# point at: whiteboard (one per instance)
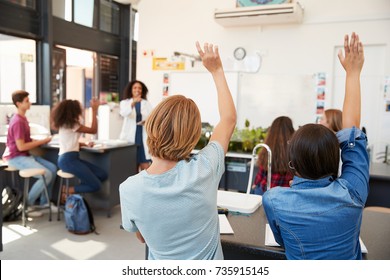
(200, 87)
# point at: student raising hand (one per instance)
(354, 54)
(353, 64)
(227, 112)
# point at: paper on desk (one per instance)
(362, 246)
(224, 225)
(270, 239)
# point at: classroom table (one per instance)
(118, 161)
(248, 240)
(379, 194)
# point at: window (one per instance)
(83, 12)
(63, 9)
(109, 17)
(18, 68)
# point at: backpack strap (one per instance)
(90, 216)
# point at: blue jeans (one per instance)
(36, 191)
(90, 175)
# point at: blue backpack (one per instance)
(78, 215)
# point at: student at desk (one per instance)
(66, 117)
(18, 148)
(320, 216)
(332, 119)
(172, 206)
(278, 135)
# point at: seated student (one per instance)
(278, 134)
(172, 205)
(66, 118)
(19, 143)
(332, 119)
(320, 216)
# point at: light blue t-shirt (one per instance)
(176, 212)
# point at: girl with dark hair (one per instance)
(134, 108)
(66, 117)
(278, 135)
(320, 216)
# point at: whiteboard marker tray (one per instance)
(239, 202)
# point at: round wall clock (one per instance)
(239, 53)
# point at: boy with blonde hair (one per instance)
(172, 206)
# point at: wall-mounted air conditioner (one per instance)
(260, 15)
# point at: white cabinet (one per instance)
(109, 121)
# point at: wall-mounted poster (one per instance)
(248, 3)
(162, 63)
(320, 91)
(165, 84)
(386, 93)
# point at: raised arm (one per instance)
(353, 64)
(227, 112)
(93, 128)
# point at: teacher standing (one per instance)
(134, 108)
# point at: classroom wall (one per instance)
(291, 53)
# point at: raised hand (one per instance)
(210, 57)
(354, 54)
(353, 64)
(94, 103)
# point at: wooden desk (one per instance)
(379, 194)
(247, 242)
(119, 163)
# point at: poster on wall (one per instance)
(162, 63)
(165, 85)
(386, 93)
(320, 91)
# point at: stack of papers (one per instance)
(224, 225)
(269, 237)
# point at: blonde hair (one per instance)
(334, 119)
(173, 128)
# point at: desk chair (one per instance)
(67, 176)
(375, 232)
(27, 174)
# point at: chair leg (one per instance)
(60, 195)
(59, 200)
(13, 180)
(25, 195)
(47, 196)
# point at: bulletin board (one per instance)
(200, 87)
